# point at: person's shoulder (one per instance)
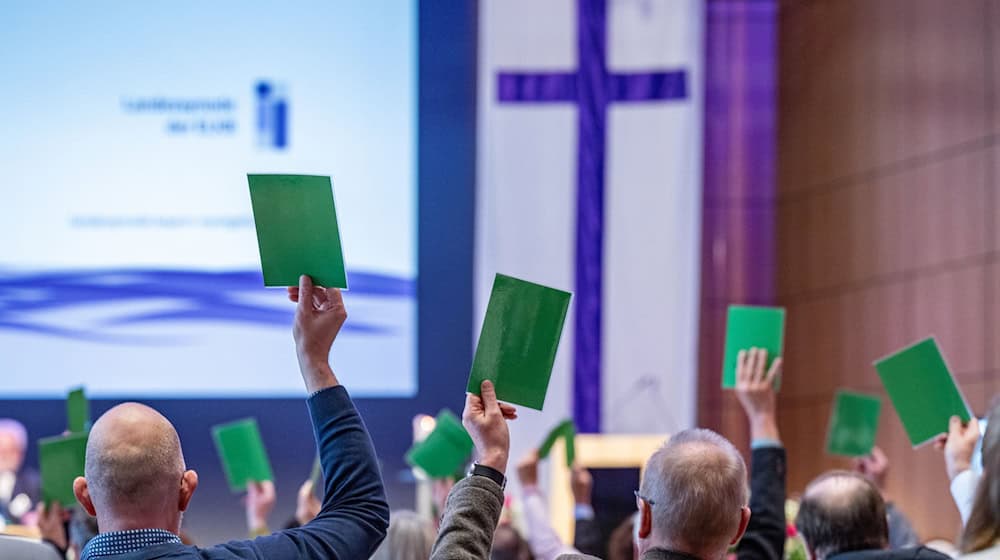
(908, 553)
(986, 554)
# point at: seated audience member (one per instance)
(66, 530)
(136, 484)
(52, 525)
(981, 536)
(307, 506)
(842, 516)
(18, 484)
(621, 543)
(692, 501)
(959, 445)
(508, 544)
(259, 502)
(545, 544)
(587, 536)
(410, 538)
(18, 548)
(82, 528)
(875, 467)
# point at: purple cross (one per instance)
(592, 87)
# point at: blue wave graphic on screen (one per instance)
(180, 296)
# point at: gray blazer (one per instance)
(16, 548)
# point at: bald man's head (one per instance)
(842, 512)
(697, 484)
(134, 461)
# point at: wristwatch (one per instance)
(490, 473)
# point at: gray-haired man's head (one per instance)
(842, 511)
(694, 495)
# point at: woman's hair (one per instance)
(983, 527)
(410, 537)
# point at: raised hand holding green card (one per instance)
(77, 411)
(518, 342)
(922, 390)
(751, 327)
(61, 460)
(297, 231)
(444, 450)
(242, 452)
(853, 424)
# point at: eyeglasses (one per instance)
(644, 498)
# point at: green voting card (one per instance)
(77, 411)
(445, 450)
(751, 327)
(570, 434)
(297, 230)
(853, 424)
(519, 339)
(922, 390)
(242, 452)
(61, 460)
(565, 430)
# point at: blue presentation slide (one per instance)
(128, 257)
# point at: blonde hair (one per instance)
(983, 528)
(410, 537)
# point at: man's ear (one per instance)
(744, 520)
(82, 493)
(645, 519)
(189, 483)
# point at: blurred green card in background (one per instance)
(922, 390)
(751, 327)
(77, 411)
(519, 339)
(853, 424)
(61, 460)
(297, 230)
(445, 450)
(242, 453)
(565, 430)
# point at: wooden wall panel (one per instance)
(886, 216)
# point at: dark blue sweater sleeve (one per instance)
(355, 514)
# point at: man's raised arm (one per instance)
(473, 507)
(355, 515)
(765, 535)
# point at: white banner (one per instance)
(557, 119)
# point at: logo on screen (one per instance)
(272, 115)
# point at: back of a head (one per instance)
(508, 544)
(13, 444)
(134, 461)
(698, 485)
(410, 537)
(983, 528)
(621, 543)
(840, 512)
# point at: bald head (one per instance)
(698, 485)
(134, 461)
(842, 512)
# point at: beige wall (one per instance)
(886, 216)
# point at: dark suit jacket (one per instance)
(911, 553)
(473, 510)
(766, 532)
(355, 514)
